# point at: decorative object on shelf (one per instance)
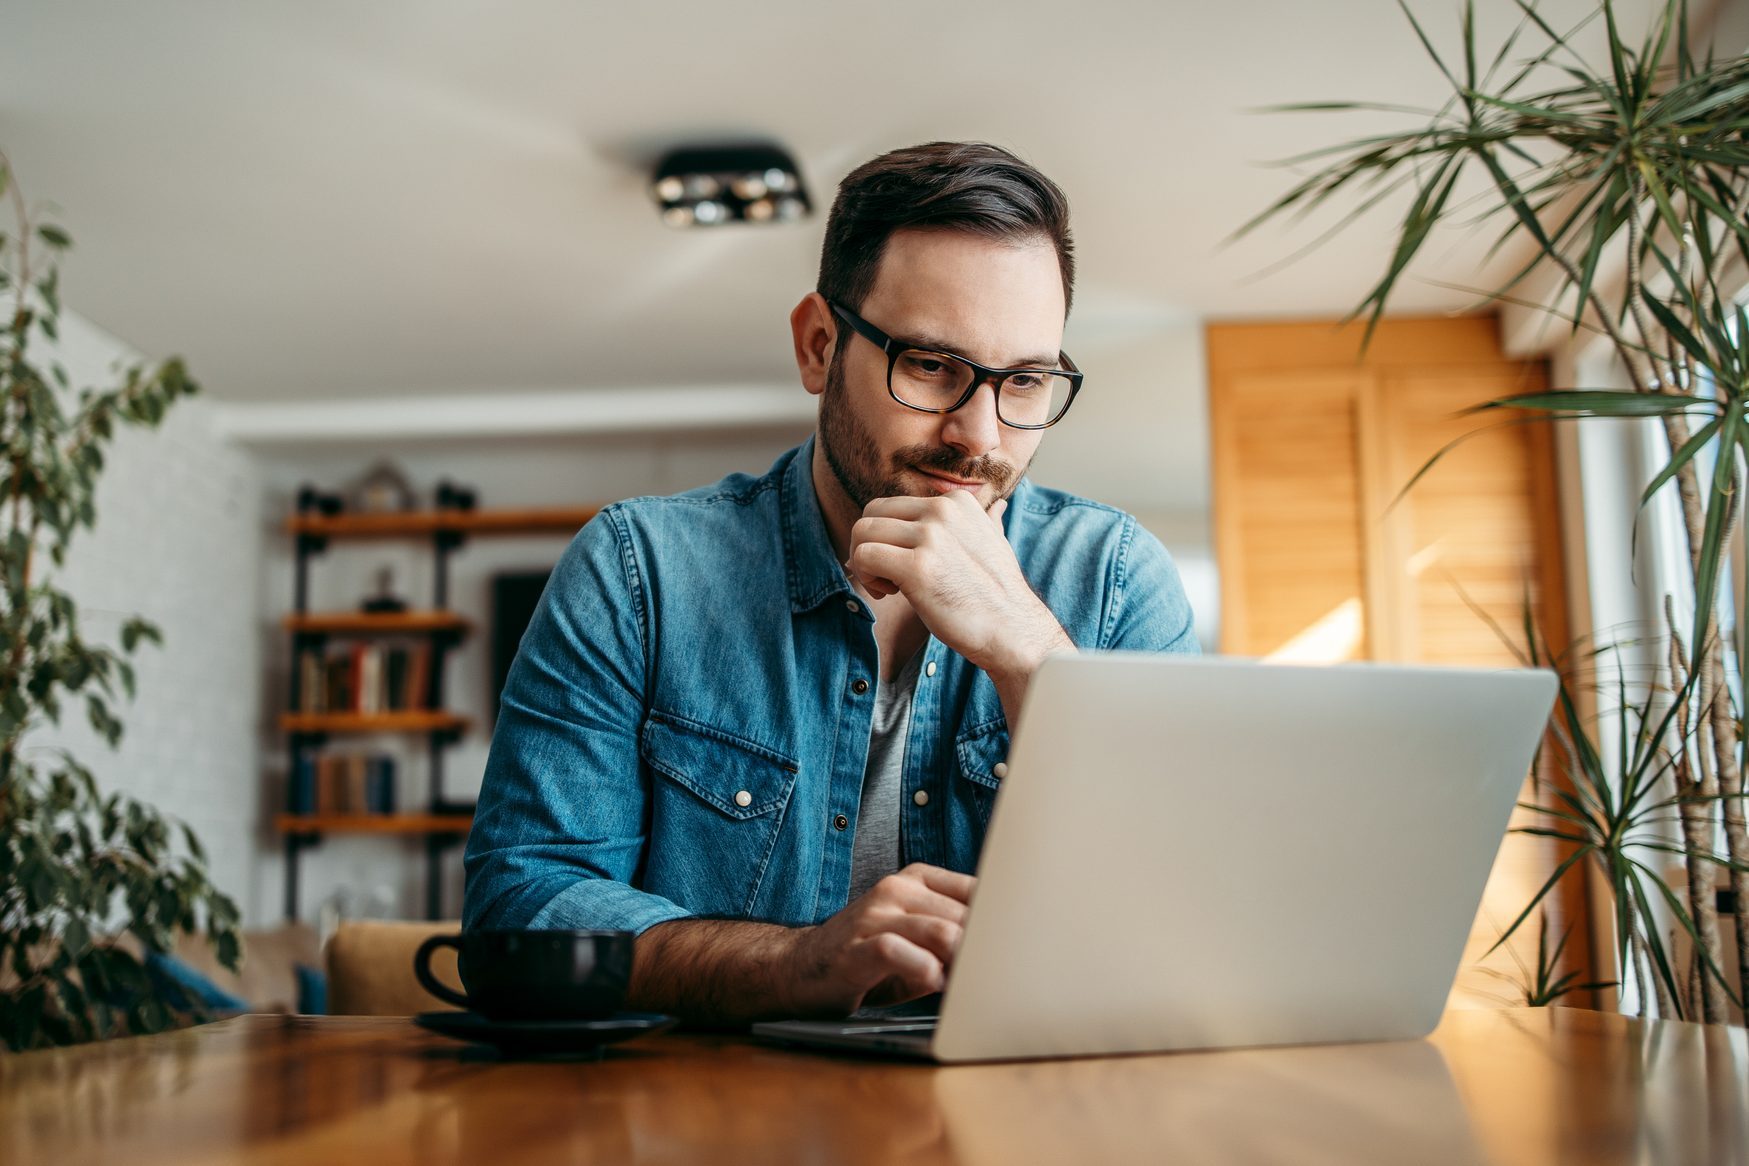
(1631, 178)
(80, 871)
(385, 600)
(707, 186)
(450, 496)
(383, 489)
(314, 501)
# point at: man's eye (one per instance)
(1025, 382)
(925, 366)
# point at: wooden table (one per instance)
(1547, 1085)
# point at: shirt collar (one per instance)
(815, 574)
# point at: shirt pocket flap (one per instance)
(981, 750)
(741, 779)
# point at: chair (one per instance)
(370, 967)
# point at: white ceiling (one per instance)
(317, 200)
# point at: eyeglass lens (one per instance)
(936, 382)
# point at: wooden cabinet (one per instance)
(1324, 558)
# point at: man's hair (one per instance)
(960, 186)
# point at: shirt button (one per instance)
(929, 668)
(852, 606)
(921, 797)
(743, 798)
(1001, 769)
(859, 686)
(841, 822)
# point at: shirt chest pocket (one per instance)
(982, 754)
(717, 803)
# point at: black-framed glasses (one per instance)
(931, 381)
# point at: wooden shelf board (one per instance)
(361, 623)
(372, 823)
(414, 721)
(417, 523)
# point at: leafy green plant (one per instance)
(78, 869)
(1620, 816)
(1639, 163)
(1544, 984)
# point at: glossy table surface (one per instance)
(1544, 1085)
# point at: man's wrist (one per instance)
(1019, 654)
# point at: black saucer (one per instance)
(544, 1037)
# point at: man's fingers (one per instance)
(997, 511)
(903, 506)
(923, 901)
(943, 881)
(898, 532)
(939, 937)
(882, 561)
(892, 956)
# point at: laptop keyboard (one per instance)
(909, 1024)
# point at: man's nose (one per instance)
(973, 428)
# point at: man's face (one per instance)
(998, 303)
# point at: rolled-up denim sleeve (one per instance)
(561, 830)
(1148, 611)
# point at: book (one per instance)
(337, 696)
(380, 791)
(419, 676)
(357, 801)
(363, 678)
(395, 679)
(328, 791)
(311, 681)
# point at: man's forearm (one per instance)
(714, 971)
(1014, 674)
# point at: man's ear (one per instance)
(815, 330)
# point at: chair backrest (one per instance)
(370, 967)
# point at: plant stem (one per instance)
(1697, 829)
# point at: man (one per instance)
(763, 723)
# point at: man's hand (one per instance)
(951, 560)
(893, 944)
(896, 943)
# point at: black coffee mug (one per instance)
(534, 975)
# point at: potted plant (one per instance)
(1644, 156)
(79, 869)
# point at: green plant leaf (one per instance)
(1601, 403)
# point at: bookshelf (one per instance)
(434, 631)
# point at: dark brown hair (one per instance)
(961, 186)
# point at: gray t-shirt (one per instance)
(874, 852)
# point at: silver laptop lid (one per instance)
(1204, 853)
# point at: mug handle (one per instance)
(422, 969)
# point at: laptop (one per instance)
(1205, 853)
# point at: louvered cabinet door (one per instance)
(1289, 514)
(1325, 558)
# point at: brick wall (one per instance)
(177, 541)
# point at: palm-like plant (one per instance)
(1641, 164)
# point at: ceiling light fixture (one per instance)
(706, 186)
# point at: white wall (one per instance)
(176, 541)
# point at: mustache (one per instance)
(944, 460)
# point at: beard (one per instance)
(856, 461)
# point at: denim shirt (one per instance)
(685, 727)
